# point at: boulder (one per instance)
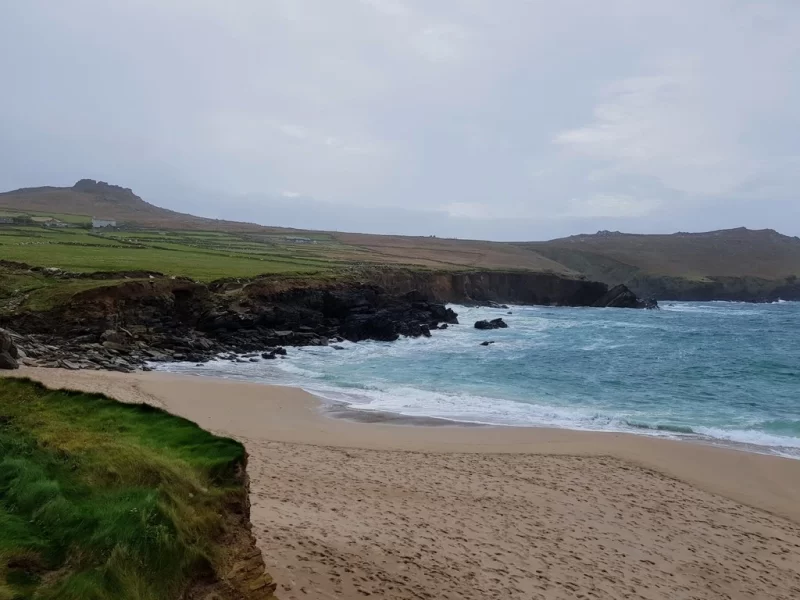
(8, 351)
(7, 344)
(115, 346)
(7, 361)
(620, 296)
(117, 338)
(492, 304)
(493, 324)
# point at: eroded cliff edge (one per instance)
(121, 324)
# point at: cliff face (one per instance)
(734, 264)
(242, 575)
(740, 289)
(496, 286)
(162, 304)
(121, 326)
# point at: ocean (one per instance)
(719, 372)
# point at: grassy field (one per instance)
(199, 255)
(35, 292)
(102, 500)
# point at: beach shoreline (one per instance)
(329, 493)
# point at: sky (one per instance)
(492, 119)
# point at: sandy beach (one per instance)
(344, 509)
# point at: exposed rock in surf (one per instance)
(493, 324)
(621, 296)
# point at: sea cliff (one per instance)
(120, 325)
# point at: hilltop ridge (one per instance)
(727, 264)
(89, 197)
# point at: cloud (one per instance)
(666, 126)
(441, 43)
(469, 210)
(496, 118)
(392, 8)
(612, 205)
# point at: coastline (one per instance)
(618, 501)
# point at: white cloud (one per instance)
(654, 113)
(392, 8)
(666, 126)
(611, 205)
(441, 43)
(469, 210)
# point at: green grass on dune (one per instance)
(103, 500)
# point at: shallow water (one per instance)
(720, 371)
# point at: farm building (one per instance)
(49, 222)
(97, 223)
(6, 220)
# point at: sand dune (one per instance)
(350, 510)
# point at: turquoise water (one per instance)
(721, 371)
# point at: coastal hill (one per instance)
(92, 198)
(728, 253)
(733, 264)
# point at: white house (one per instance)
(103, 222)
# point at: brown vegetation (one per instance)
(727, 264)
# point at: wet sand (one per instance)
(346, 509)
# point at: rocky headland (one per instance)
(123, 326)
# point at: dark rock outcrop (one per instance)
(493, 324)
(621, 297)
(8, 351)
(733, 289)
(120, 327)
(491, 288)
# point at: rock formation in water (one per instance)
(621, 297)
(493, 324)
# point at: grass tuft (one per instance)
(102, 500)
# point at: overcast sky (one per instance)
(501, 119)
